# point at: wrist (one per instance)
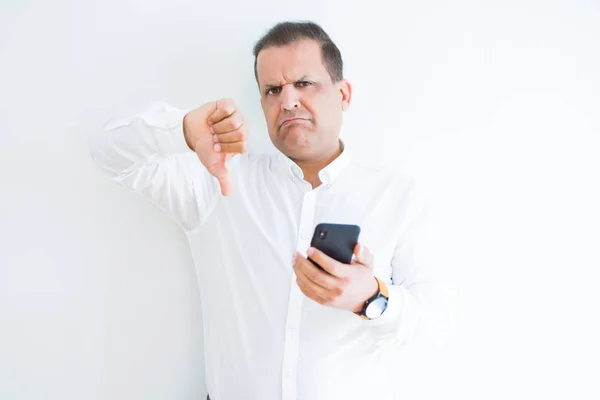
(373, 288)
(186, 133)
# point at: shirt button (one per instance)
(288, 375)
(304, 236)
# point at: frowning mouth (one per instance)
(290, 120)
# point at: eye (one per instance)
(303, 84)
(275, 90)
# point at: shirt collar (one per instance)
(327, 175)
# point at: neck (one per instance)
(311, 168)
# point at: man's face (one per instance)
(302, 107)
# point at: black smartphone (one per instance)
(336, 240)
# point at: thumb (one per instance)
(221, 172)
(362, 255)
(225, 182)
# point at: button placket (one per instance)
(290, 355)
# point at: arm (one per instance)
(148, 154)
(419, 305)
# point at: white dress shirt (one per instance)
(264, 339)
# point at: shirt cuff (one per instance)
(164, 116)
(176, 141)
(389, 319)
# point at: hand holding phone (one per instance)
(349, 281)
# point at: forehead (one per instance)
(277, 65)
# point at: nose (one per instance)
(290, 100)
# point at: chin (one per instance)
(292, 150)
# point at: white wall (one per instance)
(493, 106)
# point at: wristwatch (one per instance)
(376, 305)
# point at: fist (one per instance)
(343, 286)
(216, 131)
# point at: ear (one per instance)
(346, 93)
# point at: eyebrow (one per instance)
(301, 79)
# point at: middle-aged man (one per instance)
(275, 325)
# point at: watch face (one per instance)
(376, 307)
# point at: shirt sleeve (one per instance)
(147, 153)
(419, 305)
